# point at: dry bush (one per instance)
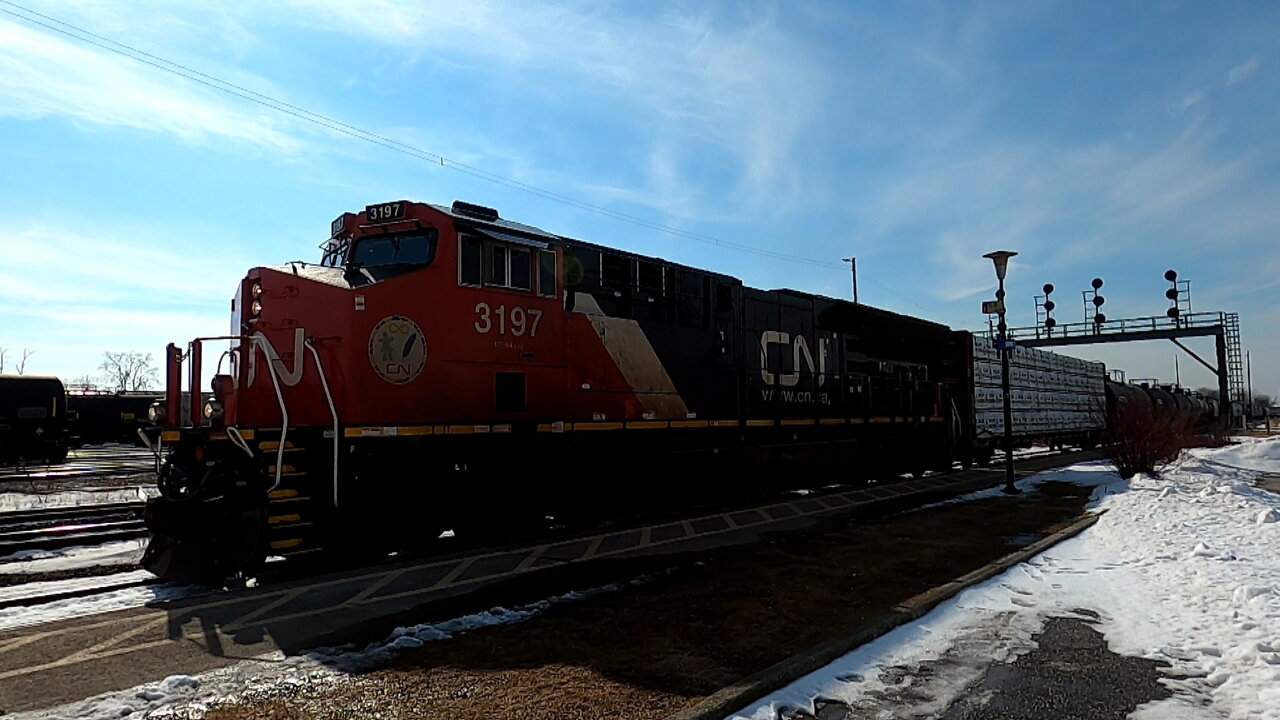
(1139, 442)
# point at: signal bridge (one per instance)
(1224, 327)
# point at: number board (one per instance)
(384, 212)
(338, 225)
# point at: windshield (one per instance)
(415, 249)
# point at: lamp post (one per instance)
(1000, 259)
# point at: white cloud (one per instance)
(1241, 72)
(745, 87)
(46, 75)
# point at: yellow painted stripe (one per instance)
(598, 426)
(170, 435)
(247, 434)
(502, 428)
(279, 494)
(797, 421)
(937, 418)
(555, 427)
(647, 425)
(353, 432)
(284, 469)
(881, 419)
(725, 423)
(759, 423)
(688, 423)
(833, 421)
(857, 421)
(273, 445)
(415, 430)
(285, 544)
(278, 519)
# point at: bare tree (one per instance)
(124, 371)
(85, 382)
(26, 355)
(3, 352)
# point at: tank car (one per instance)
(32, 419)
(443, 367)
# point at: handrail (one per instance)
(1116, 326)
(261, 341)
(332, 411)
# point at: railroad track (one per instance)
(85, 463)
(51, 528)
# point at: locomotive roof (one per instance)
(552, 238)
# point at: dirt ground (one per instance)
(662, 646)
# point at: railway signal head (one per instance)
(1050, 323)
(1171, 293)
(1171, 275)
(1097, 283)
(1172, 313)
(1048, 288)
(1099, 318)
(1098, 300)
(1049, 306)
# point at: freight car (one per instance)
(32, 419)
(96, 417)
(443, 367)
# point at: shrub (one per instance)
(1139, 442)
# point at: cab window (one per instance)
(501, 265)
(417, 249)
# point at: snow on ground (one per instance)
(27, 615)
(17, 501)
(26, 562)
(1181, 568)
(272, 674)
(1259, 454)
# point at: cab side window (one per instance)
(495, 264)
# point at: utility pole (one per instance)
(853, 269)
(1248, 369)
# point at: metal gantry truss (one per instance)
(1224, 327)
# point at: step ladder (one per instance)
(292, 507)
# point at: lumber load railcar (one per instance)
(446, 368)
(1057, 400)
(32, 419)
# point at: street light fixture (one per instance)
(1000, 259)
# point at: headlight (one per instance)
(212, 410)
(256, 290)
(155, 413)
(256, 308)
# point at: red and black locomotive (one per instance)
(445, 368)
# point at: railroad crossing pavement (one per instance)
(54, 663)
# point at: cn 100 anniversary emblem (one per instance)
(397, 349)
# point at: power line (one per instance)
(338, 126)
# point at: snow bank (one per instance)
(1182, 569)
(1259, 454)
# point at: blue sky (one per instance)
(1096, 139)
